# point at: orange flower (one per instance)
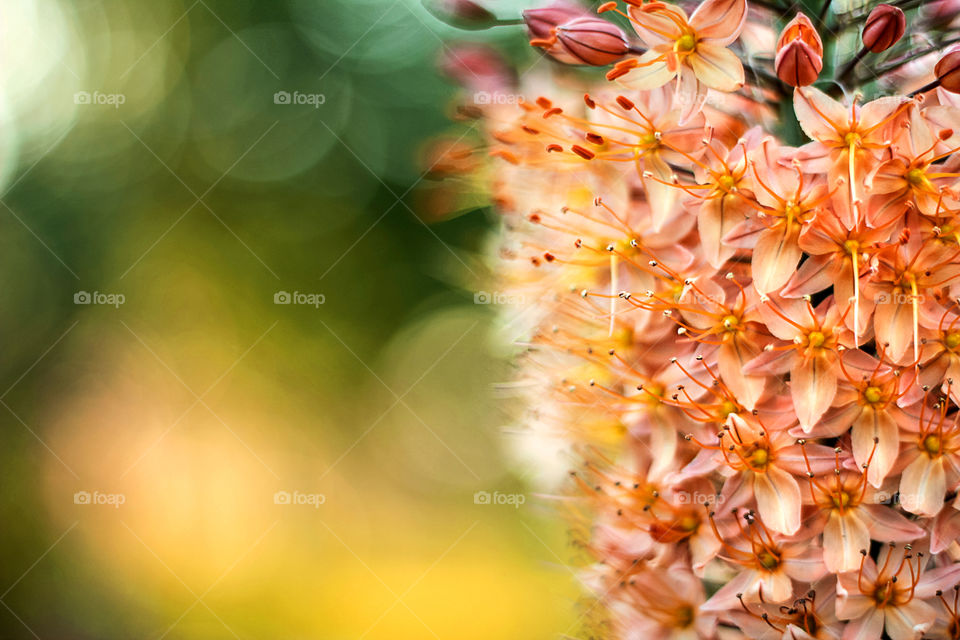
(694, 50)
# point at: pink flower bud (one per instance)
(947, 70)
(542, 22)
(799, 53)
(940, 13)
(477, 67)
(885, 26)
(464, 14)
(592, 41)
(800, 28)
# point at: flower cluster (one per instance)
(742, 286)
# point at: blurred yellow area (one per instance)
(244, 394)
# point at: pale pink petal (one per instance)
(813, 385)
(909, 621)
(843, 538)
(889, 525)
(869, 627)
(721, 21)
(659, 23)
(650, 74)
(879, 425)
(946, 529)
(923, 486)
(778, 500)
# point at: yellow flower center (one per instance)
(689, 523)
(841, 501)
(685, 43)
(649, 140)
(684, 617)
(915, 177)
(727, 407)
(816, 339)
(731, 322)
(852, 246)
(952, 340)
(768, 560)
(727, 183)
(759, 458)
(932, 444)
(852, 139)
(873, 395)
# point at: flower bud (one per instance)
(940, 13)
(464, 14)
(542, 22)
(592, 41)
(799, 53)
(885, 26)
(477, 67)
(947, 70)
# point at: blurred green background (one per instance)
(145, 152)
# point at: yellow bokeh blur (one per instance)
(245, 392)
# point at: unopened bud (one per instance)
(940, 13)
(542, 22)
(464, 14)
(885, 26)
(592, 41)
(799, 53)
(947, 70)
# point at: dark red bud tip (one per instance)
(885, 26)
(948, 71)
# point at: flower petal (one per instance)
(819, 115)
(721, 21)
(843, 538)
(652, 72)
(778, 500)
(923, 486)
(717, 67)
(813, 385)
(775, 257)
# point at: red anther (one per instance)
(586, 154)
